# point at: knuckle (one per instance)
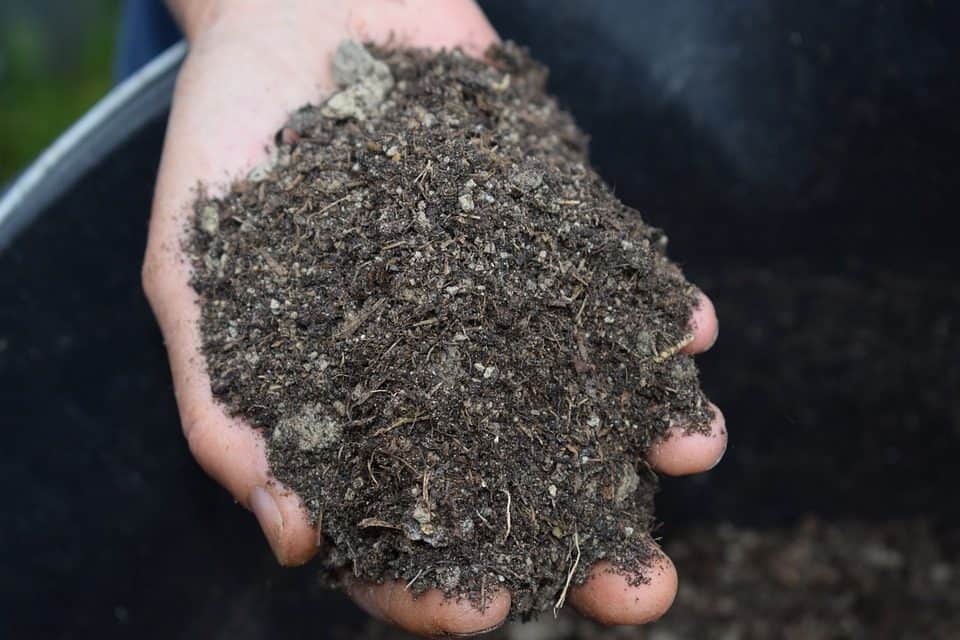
(149, 280)
(199, 435)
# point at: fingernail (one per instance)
(720, 457)
(473, 634)
(265, 508)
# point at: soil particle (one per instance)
(458, 342)
(365, 82)
(311, 430)
(209, 220)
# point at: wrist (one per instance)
(432, 23)
(197, 17)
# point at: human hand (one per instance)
(251, 63)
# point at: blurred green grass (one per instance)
(48, 80)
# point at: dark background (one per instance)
(801, 156)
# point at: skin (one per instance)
(251, 63)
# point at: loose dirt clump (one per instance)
(457, 341)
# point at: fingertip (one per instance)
(289, 533)
(234, 455)
(227, 450)
(682, 453)
(705, 326)
(610, 599)
(299, 542)
(459, 618)
(430, 613)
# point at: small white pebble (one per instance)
(209, 220)
(466, 202)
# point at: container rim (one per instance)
(127, 108)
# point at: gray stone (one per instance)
(310, 430)
(365, 83)
(209, 220)
(466, 202)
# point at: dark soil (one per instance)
(817, 580)
(458, 342)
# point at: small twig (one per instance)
(580, 312)
(387, 352)
(398, 459)
(332, 204)
(674, 349)
(423, 174)
(563, 595)
(399, 422)
(350, 326)
(370, 469)
(367, 523)
(394, 245)
(293, 183)
(415, 578)
(578, 278)
(509, 500)
(426, 493)
(480, 515)
(353, 558)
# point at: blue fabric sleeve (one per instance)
(146, 30)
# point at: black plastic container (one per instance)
(802, 157)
